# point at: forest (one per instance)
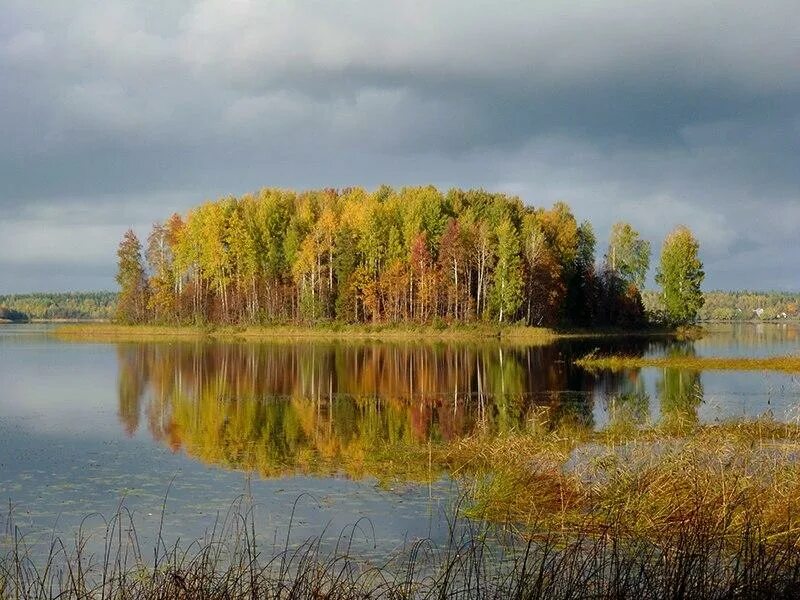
(414, 254)
(65, 305)
(740, 305)
(748, 305)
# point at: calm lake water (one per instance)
(85, 425)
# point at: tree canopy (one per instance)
(132, 301)
(628, 254)
(391, 255)
(680, 275)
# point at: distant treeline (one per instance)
(70, 305)
(414, 254)
(749, 305)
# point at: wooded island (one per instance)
(413, 255)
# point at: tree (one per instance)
(680, 276)
(452, 263)
(506, 295)
(581, 287)
(421, 272)
(164, 285)
(216, 265)
(562, 237)
(544, 289)
(132, 301)
(561, 232)
(628, 254)
(344, 265)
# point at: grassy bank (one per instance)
(108, 331)
(784, 364)
(337, 331)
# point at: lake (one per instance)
(292, 425)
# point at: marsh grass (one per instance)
(569, 477)
(476, 561)
(783, 364)
(656, 512)
(650, 480)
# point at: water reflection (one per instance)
(309, 407)
(680, 391)
(749, 339)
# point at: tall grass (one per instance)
(477, 561)
(730, 477)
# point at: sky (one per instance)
(114, 114)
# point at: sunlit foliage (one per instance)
(413, 254)
(132, 300)
(680, 276)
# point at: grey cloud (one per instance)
(656, 112)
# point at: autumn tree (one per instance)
(627, 260)
(387, 255)
(452, 266)
(344, 266)
(165, 285)
(680, 275)
(421, 264)
(271, 213)
(241, 245)
(544, 285)
(132, 300)
(628, 254)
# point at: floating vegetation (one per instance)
(732, 475)
(783, 364)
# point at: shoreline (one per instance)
(340, 332)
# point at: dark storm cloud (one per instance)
(117, 113)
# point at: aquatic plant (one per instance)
(476, 561)
(785, 364)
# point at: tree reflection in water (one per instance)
(353, 408)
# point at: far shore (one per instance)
(341, 332)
